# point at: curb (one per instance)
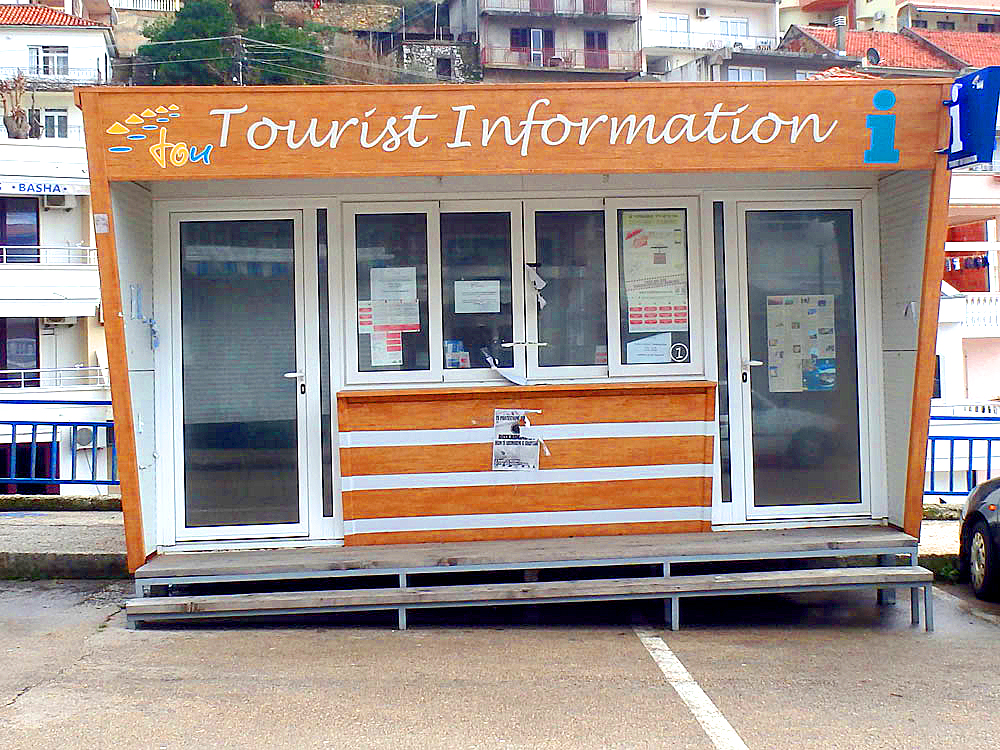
(44, 565)
(60, 502)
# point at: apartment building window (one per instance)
(595, 49)
(803, 75)
(945, 25)
(18, 351)
(48, 61)
(534, 46)
(19, 230)
(734, 28)
(676, 30)
(55, 123)
(919, 24)
(746, 74)
(988, 28)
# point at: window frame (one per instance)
(58, 115)
(743, 22)
(617, 367)
(749, 68)
(517, 280)
(432, 213)
(537, 373)
(41, 56)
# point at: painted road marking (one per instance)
(718, 729)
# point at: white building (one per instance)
(51, 335)
(675, 32)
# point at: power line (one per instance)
(163, 62)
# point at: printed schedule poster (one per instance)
(513, 451)
(801, 343)
(654, 265)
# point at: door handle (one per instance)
(753, 363)
(294, 375)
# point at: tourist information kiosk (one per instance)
(389, 318)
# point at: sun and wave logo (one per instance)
(163, 151)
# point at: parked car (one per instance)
(979, 548)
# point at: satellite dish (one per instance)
(872, 56)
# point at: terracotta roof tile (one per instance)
(838, 73)
(40, 15)
(978, 49)
(894, 49)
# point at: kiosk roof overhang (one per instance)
(197, 133)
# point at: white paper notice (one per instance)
(395, 315)
(654, 264)
(394, 284)
(387, 349)
(650, 350)
(477, 296)
(512, 451)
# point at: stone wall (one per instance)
(350, 17)
(422, 57)
(129, 28)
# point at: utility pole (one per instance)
(240, 59)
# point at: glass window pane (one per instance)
(325, 384)
(804, 398)
(476, 289)
(569, 250)
(653, 286)
(237, 342)
(392, 279)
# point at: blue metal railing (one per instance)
(961, 456)
(32, 454)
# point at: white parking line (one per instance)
(718, 729)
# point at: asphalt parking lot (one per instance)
(808, 671)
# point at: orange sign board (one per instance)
(169, 133)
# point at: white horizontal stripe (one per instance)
(518, 520)
(542, 476)
(386, 438)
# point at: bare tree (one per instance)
(15, 116)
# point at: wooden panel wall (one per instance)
(625, 459)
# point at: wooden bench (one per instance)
(671, 589)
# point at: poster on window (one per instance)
(654, 267)
(513, 451)
(801, 343)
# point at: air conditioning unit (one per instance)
(53, 322)
(702, 13)
(86, 436)
(67, 202)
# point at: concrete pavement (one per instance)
(809, 672)
(62, 544)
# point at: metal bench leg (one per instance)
(402, 618)
(914, 605)
(675, 613)
(929, 607)
(887, 597)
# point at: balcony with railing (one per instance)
(49, 255)
(561, 59)
(47, 444)
(56, 76)
(620, 8)
(962, 451)
(163, 6)
(79, 377)
(982, 311)
(708, 40)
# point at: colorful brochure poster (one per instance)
(395, 315)
(511, 450)
(654, 265)
(801, 343)
(365, 316)
(387, 348)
